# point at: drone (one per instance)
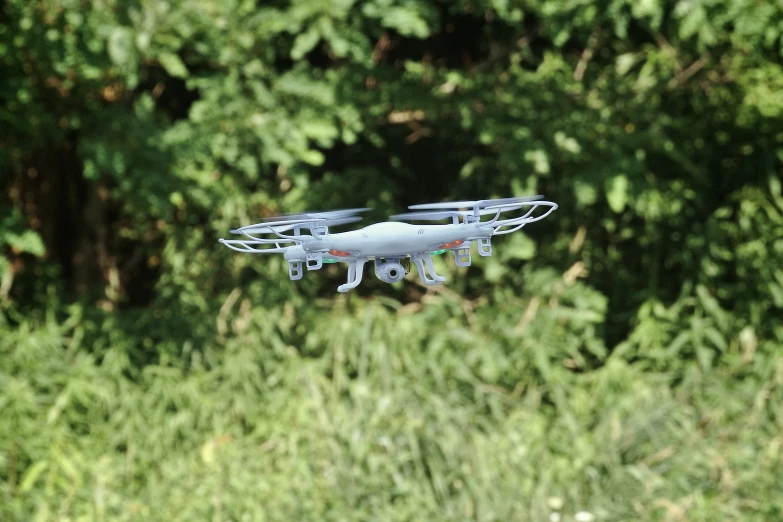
(305, 240)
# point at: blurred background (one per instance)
(620, 360)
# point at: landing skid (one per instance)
(355, 271)
(423, 263)
(425, 260)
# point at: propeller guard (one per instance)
(455, 211)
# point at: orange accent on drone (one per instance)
(339, 253)
(452, 244)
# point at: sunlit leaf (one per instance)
(173, 65)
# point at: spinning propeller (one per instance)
(319, 214)
(480, 203)
(279, 226)
(482, 207)
(316, 223)
(453, 210)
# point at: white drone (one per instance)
(389, 244)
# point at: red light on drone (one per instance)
(339, 253)
(451, 245)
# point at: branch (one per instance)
(587, 54)
(683, 76)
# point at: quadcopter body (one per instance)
(392, 238)
(388, 244)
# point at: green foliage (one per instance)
(16, 239)
(621, 357)
(375, 415)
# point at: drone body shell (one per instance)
(394, 239)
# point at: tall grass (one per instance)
(381, 412)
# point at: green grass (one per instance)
(373, 417)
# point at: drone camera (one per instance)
(389, 271)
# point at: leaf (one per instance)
(717, 339)
(540, 160)
(624, 62)
(28, 241)
(406, 21)
(173, 65)
(304, 43)
(494, 271)
(585, 193)
(712, 307)
(208, 453)
(705, 356)
(677, 344)
(774, 182)
(519, 246)
(617, 193)
(567, 143)
(60, 404)
(120, 47)
(67, 464)
(32, 474)
(312, 157)
(5, 267)
(321, 130)
(693, 18)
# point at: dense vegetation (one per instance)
(622, 360)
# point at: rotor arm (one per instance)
(355, 272)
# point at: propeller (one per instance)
(301, 221)
(318, 214)
(284, 225)
(481, 203)
(451, 209)
(436, 215)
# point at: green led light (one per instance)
(439, 252)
